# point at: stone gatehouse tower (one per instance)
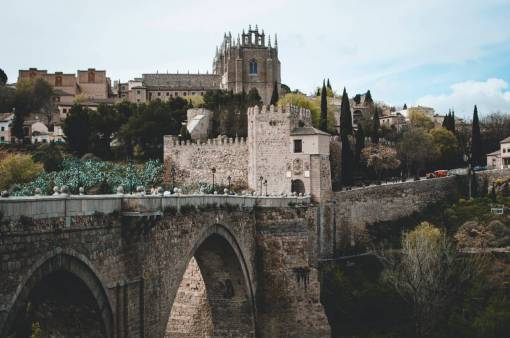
(248, 62)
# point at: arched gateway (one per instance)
(62, 295)
(215, 296)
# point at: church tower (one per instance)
(248, 62)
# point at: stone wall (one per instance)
(355, 209)
(485, 179)
(193, 161)
(133, 261)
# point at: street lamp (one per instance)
(261, 179)
(265, 185)
(229, 178)
(130, 175)
(172, 172)
(213, 170)
(468, 160)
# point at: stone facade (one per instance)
(283, 154)
(191, 163)
(243, 64)
(139, 273)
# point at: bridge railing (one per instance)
(40, 207)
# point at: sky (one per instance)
(439, 53)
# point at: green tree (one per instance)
(345, 115)
(18, 169)
(447, 146)
(418, 119)
(476, 141)
(77, 129)
(104, 124)
(329, 85)
(376, 126)
(360, 143)
(417, 149)
(274, 96)
(405, 106)
(3, 78)
(253, 98)
(50, 156)
(380, 158)
(347, 160)
(323, 124)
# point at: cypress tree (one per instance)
(323, 123)
(446, 121)
(452, 122)
(347, 164)
(405, 106)
(476, 141)
(275, 97)
(329, 85)
(360, 143)
(345, 115)
(376, 126)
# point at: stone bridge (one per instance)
(154, 266)
(188, 265)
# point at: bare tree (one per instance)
(429, 273)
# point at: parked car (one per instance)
(430, 175)
(441, 173)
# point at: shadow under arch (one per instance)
(61, 260)
(222, 265)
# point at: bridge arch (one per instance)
(61, 262)
(221, 281)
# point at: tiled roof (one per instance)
(505, 140)
(307, 131)
(4, 117)
(182, 81)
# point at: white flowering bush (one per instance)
(94, 174)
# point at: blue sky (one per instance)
(440, 53)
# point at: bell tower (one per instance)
(248, 62)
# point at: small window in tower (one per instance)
(298, 146)
(159, 94)
(176, 94)
(58, 81)
(92, 76)
(167, 94)
(253, 67)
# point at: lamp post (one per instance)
(261, 179)
(229, 178)
(265, 185)
(172, 172)
(213, 170)
(468, 160)
(79, 178)
(130, 175)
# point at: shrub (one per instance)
(18, 169)
(50, 156)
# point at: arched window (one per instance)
(253, 67)
(297, 186)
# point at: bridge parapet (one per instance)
(40, 207)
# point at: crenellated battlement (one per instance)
(173, 141)
(290, 110)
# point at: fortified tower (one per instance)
(286, 153)
(248, 62)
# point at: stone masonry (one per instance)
(132, 254)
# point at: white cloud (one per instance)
(490, 96)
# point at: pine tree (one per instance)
(446, 121)
(275, 97)
(323, 122)
(329, 85)
(476, 141)
(345, 115)
(375, 126)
